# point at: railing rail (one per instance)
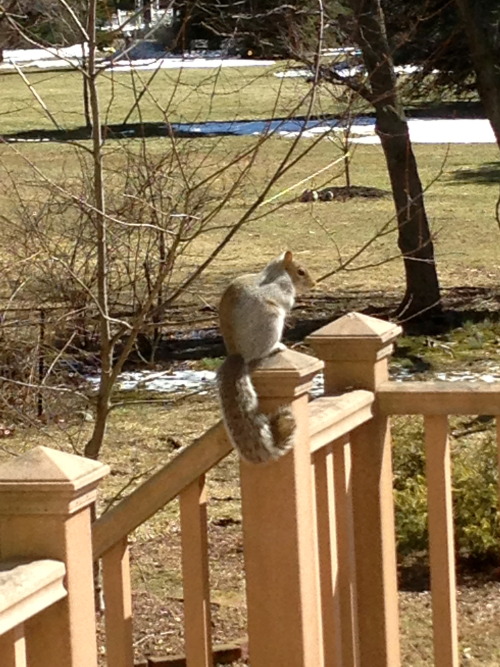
(439, 398)
(162, 487)
(26, 589)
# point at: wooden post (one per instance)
(45, 499)
(279, 529)
(355, 349)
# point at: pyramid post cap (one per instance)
(286, 373)
(357, 326)
(50, 469)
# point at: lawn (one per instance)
(173, 95)
(461, 192)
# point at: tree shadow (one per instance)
(486, 174)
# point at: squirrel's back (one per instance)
(252, 315)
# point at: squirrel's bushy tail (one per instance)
(256, 436)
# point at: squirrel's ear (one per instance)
(288, 257)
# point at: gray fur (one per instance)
(250, 431)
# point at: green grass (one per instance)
(173, 95)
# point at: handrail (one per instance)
(27, 588)
(330, 418)
(162, 487)
(439, 398)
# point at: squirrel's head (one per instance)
(301, 278)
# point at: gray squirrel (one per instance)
(252, 315)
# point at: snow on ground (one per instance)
(166, 382)
(194, 62)
(148, 56)
(422, 131)
(152, 59)
(203, 381)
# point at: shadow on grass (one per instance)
(486, 174)
(462, 305)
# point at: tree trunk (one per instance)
(483, 35)
(94, 445)
(422, 296)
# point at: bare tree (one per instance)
(422, 295)
(129, 219)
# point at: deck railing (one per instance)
(318, 525)
(47, 612)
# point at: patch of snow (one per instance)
(422, 131)
(170, 382)
(292, 73)
(142, 56)
(186, 63)
(28, 55)
(165, 382)
(441, 131)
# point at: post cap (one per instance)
(355, 337)
(285, 374)
(48, 481)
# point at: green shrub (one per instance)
(474, 478)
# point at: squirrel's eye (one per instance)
(301, 272)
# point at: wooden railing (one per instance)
(436, 401)
(318, 525)
(45, 521)
(26, 589)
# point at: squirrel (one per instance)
(252, 315)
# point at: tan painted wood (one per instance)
(13, 648)
(280, 539)
(328, 556)
(26, 588)
(118, 606)
(374, 534)
(160, 488)
(331, 417)
(59, 528)
(356, 349)
(441, 543)
(439, 398)
(346, 551)
(195, 575)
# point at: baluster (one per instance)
(345, 539)
(13, 648)
(328, 556)
(118, 605)
(441, 543)
(195, 575)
